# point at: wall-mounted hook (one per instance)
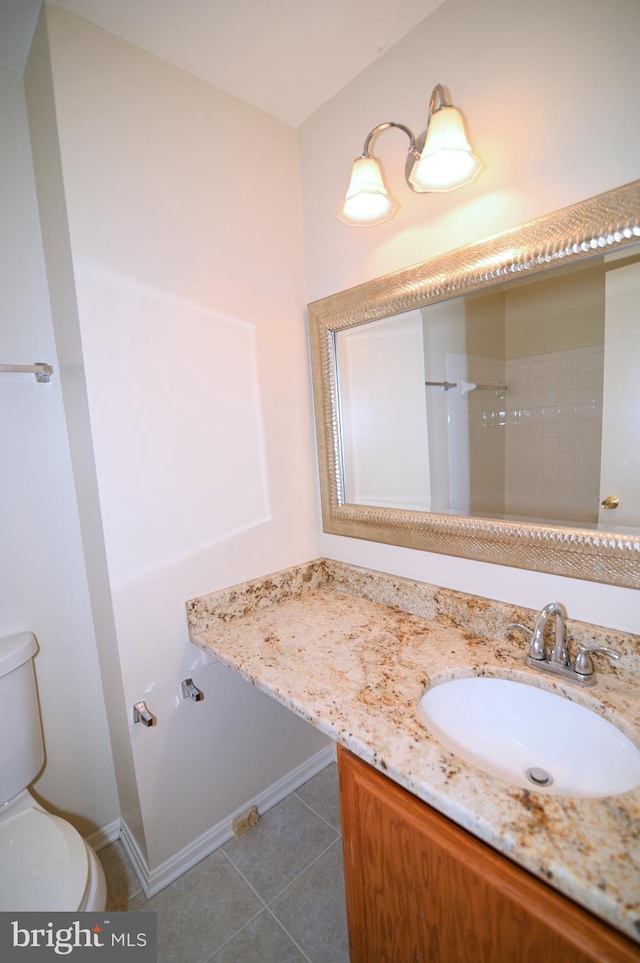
(191, 691)
(142, 714)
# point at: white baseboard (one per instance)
(152, 881)
(103, 837)
(136, 858)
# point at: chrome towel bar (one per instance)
(41, 370)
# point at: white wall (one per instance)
(186, 255)
(185, 235)
(532, 82)
(44, 587)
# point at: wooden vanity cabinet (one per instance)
(419, 888)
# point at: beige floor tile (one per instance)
(312, 909)
(285, 841)
(216, 912)
(321, 793)
(201, 911)
(262, 941)
(122, 882)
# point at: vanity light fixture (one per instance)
(440, 159)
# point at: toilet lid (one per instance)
(44, 863)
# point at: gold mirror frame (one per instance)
(608, 222)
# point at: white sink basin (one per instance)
(530, 737)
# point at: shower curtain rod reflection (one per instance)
(466, 386)
(41, 370)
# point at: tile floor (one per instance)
(274, 895)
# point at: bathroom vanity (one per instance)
(420, 888)
(426, 834)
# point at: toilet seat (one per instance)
(45, 862)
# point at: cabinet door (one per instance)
(419, 888)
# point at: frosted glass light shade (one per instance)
(367, 200)
(447, 160)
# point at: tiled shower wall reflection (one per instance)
(553, 435)
(476, 435)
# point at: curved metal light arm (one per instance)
(438, 100)
(442, 163)
(380, 127)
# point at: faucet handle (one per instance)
(536, 646)
(583, 664)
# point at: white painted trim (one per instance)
(105, 836)
(292, 781)
(136, 858)
(152, 881)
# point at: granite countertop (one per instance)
(352, 651)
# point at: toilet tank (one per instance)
(21, 745)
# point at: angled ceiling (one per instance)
(17, 22)
(286, 57)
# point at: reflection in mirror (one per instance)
(519, 403)
(503, 424)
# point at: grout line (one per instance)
(338, 838)
(288, 934)
(268, 906)
(316, 813)
(244, 880)
(208, 959)
(264, 908)
(300, 874)
(264, 905)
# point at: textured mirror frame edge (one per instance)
(605, 223)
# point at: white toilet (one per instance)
(44, 862)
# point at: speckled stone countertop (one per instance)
(352, 650)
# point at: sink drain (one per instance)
(539, 777)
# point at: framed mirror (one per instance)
(486, 403)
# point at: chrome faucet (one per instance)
(558, 655)
(556, 660)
